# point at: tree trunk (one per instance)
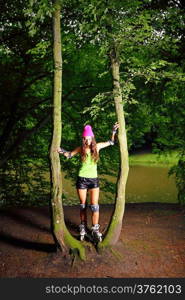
(115, 225)
(64, 239)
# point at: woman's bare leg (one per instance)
(94, 197)
(82, 194)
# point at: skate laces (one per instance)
(82, 228)
(95, 229)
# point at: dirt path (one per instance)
(151, 244)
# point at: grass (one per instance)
(165, 158)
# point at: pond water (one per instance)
(144, 184)
(151, 184)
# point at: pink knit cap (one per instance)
(88, 131)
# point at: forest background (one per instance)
(152, 63)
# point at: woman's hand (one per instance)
(64, 152)
(60, 150)
(115, 127)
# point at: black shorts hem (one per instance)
(87, 183)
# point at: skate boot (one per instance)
(97, 236)
(82, 232)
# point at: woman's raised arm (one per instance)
(110, 142)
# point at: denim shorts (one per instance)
(87, 183)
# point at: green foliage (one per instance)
(36, 13)
(179, 171)
(40, 49)
(102, 102)
(24, 183)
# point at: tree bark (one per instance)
(115, 226)
(64, 239)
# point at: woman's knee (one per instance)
(94, 208)
(83, 207)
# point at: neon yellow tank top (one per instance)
(88, 168)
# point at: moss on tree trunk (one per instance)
(114, 229)
(65, 240)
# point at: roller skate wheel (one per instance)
(82, 237)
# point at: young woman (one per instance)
(88, 178)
